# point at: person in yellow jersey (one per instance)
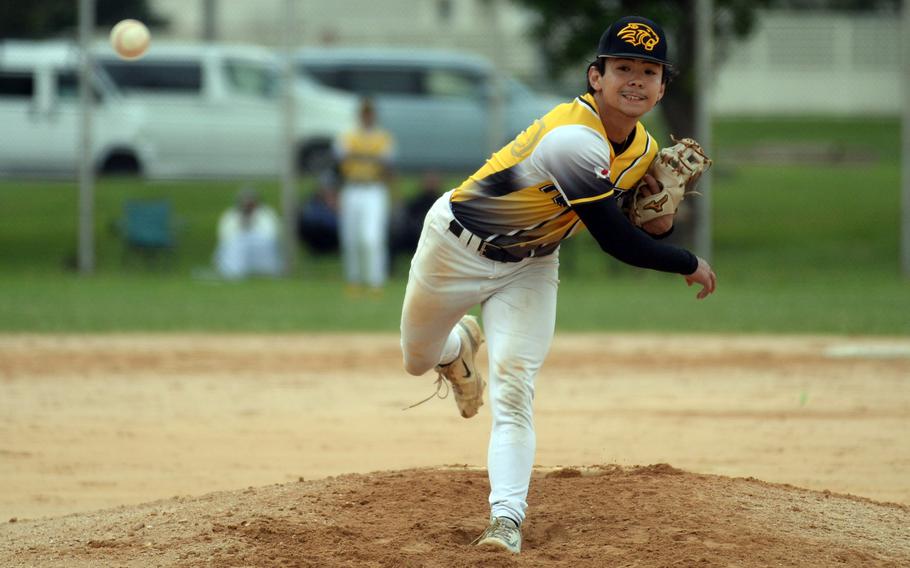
(494, 241)
(365, 156)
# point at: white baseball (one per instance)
(130, 38)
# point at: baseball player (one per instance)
(364, 155)
(494, 241)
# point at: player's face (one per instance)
(629, 86)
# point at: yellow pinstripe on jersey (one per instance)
(365, 154)
(521, 197)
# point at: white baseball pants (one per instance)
(245, 254)
(363, 222)
(518, 303)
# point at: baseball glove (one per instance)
(676, 169)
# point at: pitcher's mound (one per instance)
(594, 516)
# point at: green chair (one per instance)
(148, 228)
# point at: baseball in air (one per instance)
(130, 39)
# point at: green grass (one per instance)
(800, 248)
(136, 302)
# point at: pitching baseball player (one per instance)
(494, 241)
(364, 155)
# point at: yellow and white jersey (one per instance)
(364, 154)
(521, 198)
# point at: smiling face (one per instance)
(630, 87)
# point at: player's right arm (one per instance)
(705, 276)
(618, 237)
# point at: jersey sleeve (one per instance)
(577, 159)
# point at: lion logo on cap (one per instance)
(639, 34)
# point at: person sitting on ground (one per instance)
(317, 222)
(249, 239)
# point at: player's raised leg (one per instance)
(434, 302)
(434, 330)
(428, 319)
(462, 372)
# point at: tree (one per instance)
(35, 19)
(569, 31)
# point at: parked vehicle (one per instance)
(438, 104)
(215, 110)
(40, 114)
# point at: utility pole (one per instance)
(496, 125)
(289, 169)
(86, 250)
(905, 137)
(704, 73)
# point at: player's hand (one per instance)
(705, 276)
(659, 225)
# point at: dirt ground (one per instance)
(204, 450)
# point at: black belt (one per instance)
(486, 249)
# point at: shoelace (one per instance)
(440, 383)
(499, 529)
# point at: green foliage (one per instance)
(801, 248)
(570, 29)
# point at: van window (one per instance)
(165, 77)
(68, 86)
(16, 85)
(390, 81)
(327, 77)
(251, 78)
(454, 83)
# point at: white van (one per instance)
(40, 114)
(216, 110)
(438, 104)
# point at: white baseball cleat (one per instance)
(462, 373)
(503, 534)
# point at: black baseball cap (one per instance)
(634, 37)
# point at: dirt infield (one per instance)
(111, 422)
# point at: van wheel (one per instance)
(315, 157)
(121, 163)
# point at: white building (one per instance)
(821, 64)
